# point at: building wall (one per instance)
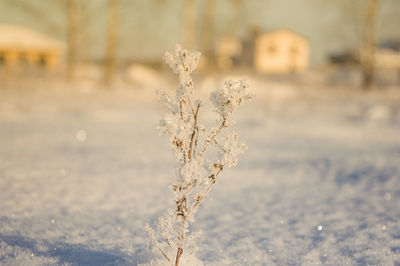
(388, 59)
(281, 52)
(47, 58)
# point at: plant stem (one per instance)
(212, 137)
(178, 256)
(195, 129)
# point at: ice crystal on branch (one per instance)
(229, 98)
(190, 140)
(183, 62)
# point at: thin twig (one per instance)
(212, 137)
(195, 129)
(162, 252)
(200, 198)
(190, 105)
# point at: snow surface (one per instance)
(83, 171)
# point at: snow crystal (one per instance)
(81, 135)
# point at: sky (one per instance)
(149, 27)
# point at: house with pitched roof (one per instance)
(22, 46)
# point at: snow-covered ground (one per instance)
(82, 172)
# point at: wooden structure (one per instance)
(24, 47)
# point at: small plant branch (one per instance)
(154, 240)
(211, 138)
(165, 256)
(181, 124)
(195, 130)
(200, 197)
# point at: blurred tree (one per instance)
(36, 13)
(208, 29)
(84, 36)
(350, 18)
(360, 18)
(368, 51)
(235, 19)
(111, 40)
(71, 38)
(188, 23)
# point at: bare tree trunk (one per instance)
(71, 46)
(84, 37)
(235, 19)
(368, 53)
(111, 42)
(188, 23)
(207, 33)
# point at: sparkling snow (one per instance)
(81, 173)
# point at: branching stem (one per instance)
(195, 130)
(212, 137)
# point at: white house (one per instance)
(281, 51)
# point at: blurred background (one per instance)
(114, 42)
(82, 169)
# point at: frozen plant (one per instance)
(196, 174)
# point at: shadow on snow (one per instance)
(75, 254)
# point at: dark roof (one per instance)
(391, 45)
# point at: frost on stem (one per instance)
(190, 140)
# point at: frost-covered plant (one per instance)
(196, 174)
